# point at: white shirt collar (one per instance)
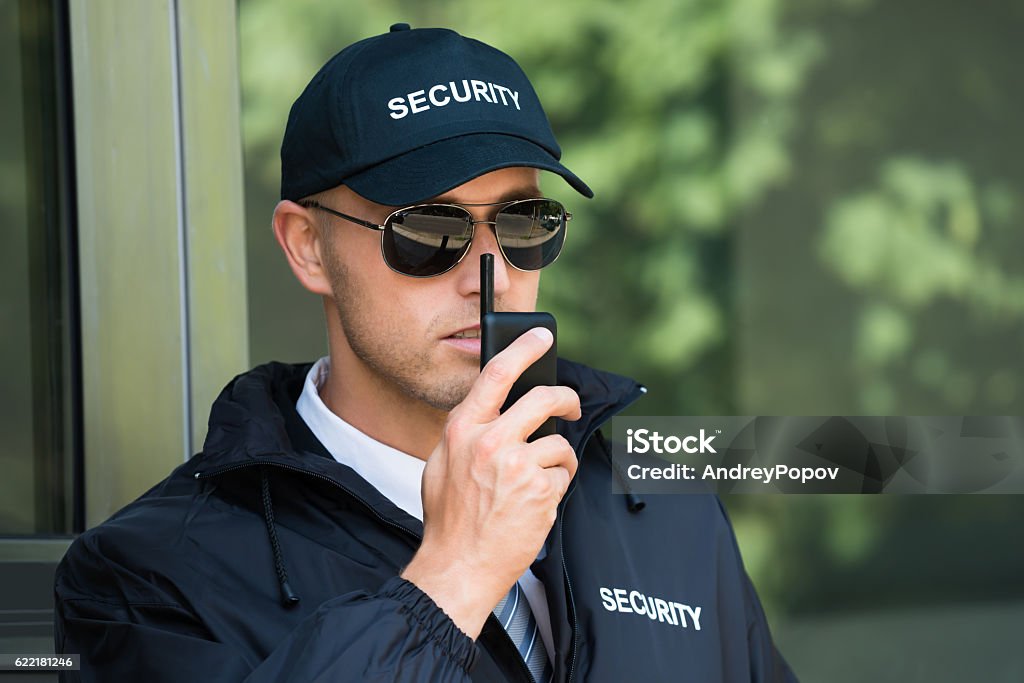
(395, 474)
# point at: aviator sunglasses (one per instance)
(430, 239)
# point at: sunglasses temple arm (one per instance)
(486, 284)
(345, 216)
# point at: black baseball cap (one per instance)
(410, 114)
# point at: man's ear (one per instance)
(300, 239)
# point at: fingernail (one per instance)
(543, 332)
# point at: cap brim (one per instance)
(434, 169)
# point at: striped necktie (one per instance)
(516, 618)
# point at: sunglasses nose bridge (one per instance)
(474, 238)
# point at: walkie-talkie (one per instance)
(498, 330)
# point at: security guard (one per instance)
(372, 516)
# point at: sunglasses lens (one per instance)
(426, 240)
(531, 232)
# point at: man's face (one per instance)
(410, 334)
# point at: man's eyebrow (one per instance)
(531, 192)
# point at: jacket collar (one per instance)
(254, 416)
(254, 421)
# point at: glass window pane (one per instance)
(36, 315)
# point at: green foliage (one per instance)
(915, 239)
(925, 236)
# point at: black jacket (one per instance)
(263, 559)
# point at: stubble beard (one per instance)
(407, 370)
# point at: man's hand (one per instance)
(489, 497)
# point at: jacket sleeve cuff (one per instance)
(437, 625)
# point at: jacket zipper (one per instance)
(622, 405)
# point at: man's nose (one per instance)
(468, 272)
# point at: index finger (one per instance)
(491, 388)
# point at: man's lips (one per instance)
(470, 332)
(467, 339)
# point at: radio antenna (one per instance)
(486, 284)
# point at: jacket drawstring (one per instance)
(634, 503)
(288, 596)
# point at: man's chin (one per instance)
(445, 398)
(449, 384)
